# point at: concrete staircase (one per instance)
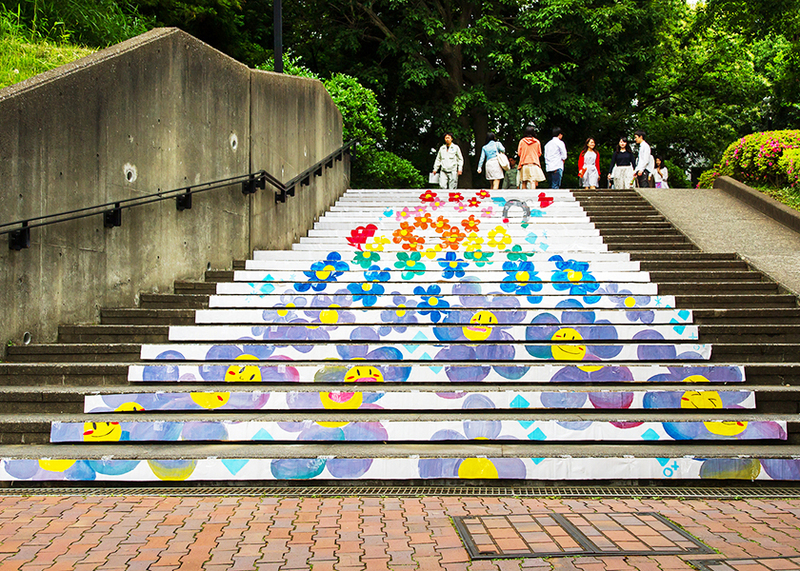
(587, 341)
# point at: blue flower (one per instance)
(565, 339)
(624, 299)
(366, 292)
(574, 276)
(397, 317)
(431, 303)
(375, 274)
(323, 272)
(453, 267)
(521, 280)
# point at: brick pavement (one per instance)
(360, 533)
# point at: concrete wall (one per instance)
(160, 111)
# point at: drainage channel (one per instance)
(417, 491)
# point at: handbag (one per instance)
(503, 160)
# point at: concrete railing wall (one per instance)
(158, 112)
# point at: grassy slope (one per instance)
(20, 59)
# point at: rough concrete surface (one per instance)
(718, 222)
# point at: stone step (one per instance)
(172, 301)
(694, 256)
(75, 353)
(113, 333)
(386, 463)
(753, 316)
(708, 275)
(219, 275)
(633, 246)
(721, 288)
(139, 316)
(702, 266)
(735, 301)
(63, 374)
(768, 333)
(194, 288)
(756, 352)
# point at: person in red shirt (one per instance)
(589, 165)
(530, 166)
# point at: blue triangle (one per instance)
(234, 466)
(525, 423)
(420, 336)
(262, 435)
(268, 278)
(519, 402)
(684, 314)
(537, 435)
(388, 213)
(537, 461)
(426, 357)
(267, 288)
(679, 329)
(663, 461)
(436, 370)
(650, 434)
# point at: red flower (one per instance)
(428, 196)
(484, 194)
(474, 203)
(455, 197)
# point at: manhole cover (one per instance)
(760, 563)
(554, 535)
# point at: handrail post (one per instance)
(113, 218)
(20, 239)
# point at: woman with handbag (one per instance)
(494, 155)
(589, 165)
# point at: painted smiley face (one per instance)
(701, 399)
(210, 400)
(130, 407)
(726, 427)
(568, 352)
(341, 400)
(480, 326)
(102, 432)
(363, 374)
(243, 373)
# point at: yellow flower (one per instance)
(376, 243)
(499, 239)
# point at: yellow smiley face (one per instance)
(726, 427)
(210, 400)
(243, 373)
(56, 465)
(341, 401)
(701, 399)
(130, 407)
(480, 326)
(480, 468)
(102, 432)
(364, 374)
(568, 352)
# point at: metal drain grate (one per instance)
(563, 535)
(416, 491)
(764, 563)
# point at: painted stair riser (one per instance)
(407, 316)
(546, 351)
(487, 265)
(621, 299)
(695, 375)
(417, 431)
(419, 401)
(438, 271)
(478, 331)
(273, 259)
(360, 289)
(554, 468)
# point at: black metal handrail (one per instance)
(19, 236)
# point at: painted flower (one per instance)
(478, 257)
(366, 292)
(423, 221)
(431, 303)
(471, 224)
(441, 224)
(574, 276)
(404, 214)
(324, 272)
(452, 266)
(702, 374)
(414, 243)
(474, 203)
(419, 210)
(437, 204)
(433, 252)
(398, 317)
(516, 254)
(521, 279)
(624, 299)
(499, 238)
(460, 207)
(403, 233)
(483, 194)
(486, 212)
(376, 243)
(410, 264)
(455, 197)
(473, 242)
(452, 238)
(428, 196)
(366, 258)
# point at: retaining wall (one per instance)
(157, 112)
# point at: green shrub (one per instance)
(757, 160)
(382, 169)
(677, 177)
(790, 164)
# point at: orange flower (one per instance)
(471, 224)
(423, 221)
(441, 224)
(452, 238)
(414, 244)
(404, 233)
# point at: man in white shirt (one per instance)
(645, 164)
(555, 153)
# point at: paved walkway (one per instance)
(718, 222)
(350, 533)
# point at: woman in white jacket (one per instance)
(449, 163)
(660, 174)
